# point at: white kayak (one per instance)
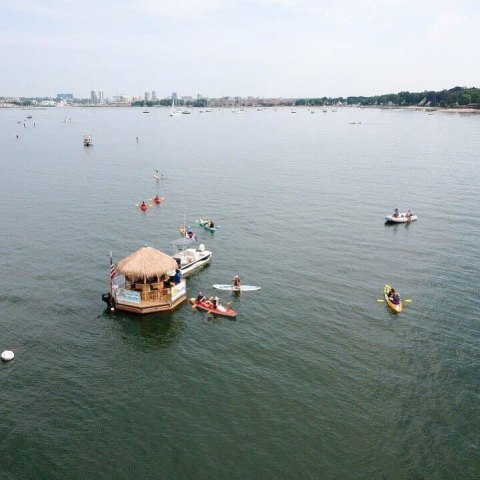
(241, 288)
(402, 218)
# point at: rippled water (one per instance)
(315, 379)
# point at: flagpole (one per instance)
(110, 273)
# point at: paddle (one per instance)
(408, 300)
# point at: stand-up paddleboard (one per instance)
(241, 288)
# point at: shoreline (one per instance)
(380, 107)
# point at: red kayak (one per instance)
(208, 307)
(143, 207)
(158, 200)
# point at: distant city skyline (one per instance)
(264, 48)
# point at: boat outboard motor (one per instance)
(108, 299)
(201, 247)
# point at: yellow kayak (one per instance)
(397, 308)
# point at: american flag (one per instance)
(113, 272)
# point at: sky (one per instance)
(264, 48)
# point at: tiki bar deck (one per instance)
(148, 283)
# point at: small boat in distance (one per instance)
(207, 224)
(173, 111)
(398, 217)
(394, 303)
(87, 141)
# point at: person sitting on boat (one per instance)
(394, 297)
(211, 224)
(143, 205)
(200, 298)
(409, 214)
(157, 199)
(236, 281)
(396, 213)
(215, 302)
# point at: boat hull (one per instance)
(191, 260)
(395, 308)
(145, 308)
(402, 218)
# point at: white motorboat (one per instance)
(401, 218)
(190, 260)
(87, 141)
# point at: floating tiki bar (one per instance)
(147, 283)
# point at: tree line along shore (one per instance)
(455, 98)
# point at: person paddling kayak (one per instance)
(394, 297)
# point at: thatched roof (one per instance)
(146, 262)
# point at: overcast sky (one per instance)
(289, 48)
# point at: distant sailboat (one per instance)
(173, 111)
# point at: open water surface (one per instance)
(315, 379)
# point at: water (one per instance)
(315, 379)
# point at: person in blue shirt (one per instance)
(178, 276)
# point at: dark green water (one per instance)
(315, 379)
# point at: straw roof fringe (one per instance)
(146, 262)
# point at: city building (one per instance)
(147, 96)
(64, 96)
(154, 95)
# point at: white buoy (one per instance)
(7, 355)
